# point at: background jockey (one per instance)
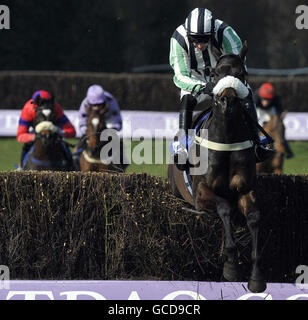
(191, 48)
(97, 96)
(268, 103)
(41, 98)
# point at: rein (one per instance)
(90, 158)
(256, 124)
(61, 139)
(88, 136)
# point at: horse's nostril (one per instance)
(224, 102)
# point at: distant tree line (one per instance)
(117, 35)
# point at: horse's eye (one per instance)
(224, 70)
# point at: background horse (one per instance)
(90, 159)
(276, 129)
(49, 151)
(229, 181)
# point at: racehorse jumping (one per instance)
(90, 159)
(229, 182)
(49, 151)
(276, 129)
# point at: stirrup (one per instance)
(181, 159)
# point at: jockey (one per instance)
(190, 54)
(40, 98)
(97, 97)
(269, 103)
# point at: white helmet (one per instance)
(199, 22)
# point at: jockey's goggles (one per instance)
(45, 104)
(204, 38)
(100, 105)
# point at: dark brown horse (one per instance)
(49, 151)
(91, 158)
(229, 182)
(276, 129)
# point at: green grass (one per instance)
(298, 164)
(11, 149)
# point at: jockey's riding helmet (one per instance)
(95, 95)
(267, 91)
(199, 25)
(42, 97)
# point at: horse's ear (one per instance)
(244, 50)
(284, 113)
(87, 108)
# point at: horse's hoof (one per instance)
(230, 272)
(256, 286)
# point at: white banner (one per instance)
(150, 124)
(145, 290)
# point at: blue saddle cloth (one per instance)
(186, 140)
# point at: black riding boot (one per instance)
(261, 152)
(188, 102)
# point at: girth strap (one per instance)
(223, 146)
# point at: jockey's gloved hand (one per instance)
(208, 88)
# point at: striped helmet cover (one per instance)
(199, 22)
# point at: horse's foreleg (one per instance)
(247, 204)
(205, 199)
(230, 251)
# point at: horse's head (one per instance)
(44, 110)
(230, 64)
(96, 123)
(47, 133)
(230, 75)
